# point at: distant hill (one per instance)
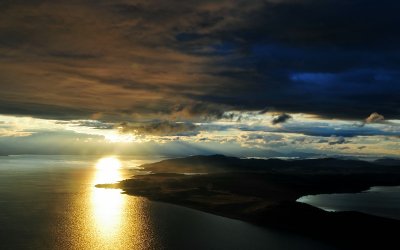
(388, 162)
(264, 192)
(221, 164)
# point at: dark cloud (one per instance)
(160, 128)
(375, 118)
(42, 110)
(372, 118)
(93, 124)
(193, 60)
(328, 23)
(324, 129)
(263, 111)
(281, 118)
(203, 111)
(336, 141)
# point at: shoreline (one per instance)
(303, 219)
(265, 193)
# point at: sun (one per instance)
(108, 170)
(108, 163)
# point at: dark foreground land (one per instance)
(264, 192)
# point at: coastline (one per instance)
(333, 228)
(380, 201)
(268, 198)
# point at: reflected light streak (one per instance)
(107, 203)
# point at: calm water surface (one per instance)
(50, 202)
(381, 201)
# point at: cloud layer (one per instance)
(140, 61)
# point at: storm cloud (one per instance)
(160, 128)
(374, 118)
(136, 61)
(281, 118)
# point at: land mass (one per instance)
(264, 192)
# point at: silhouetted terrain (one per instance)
(388, 162)
(265, 192)
(221, 163)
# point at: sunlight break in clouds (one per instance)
(251, 133)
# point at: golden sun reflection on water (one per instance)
(107, 203)
(117, 221)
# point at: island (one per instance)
(264, 192)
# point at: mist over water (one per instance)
(50, 202)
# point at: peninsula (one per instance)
(264, 192)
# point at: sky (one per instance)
(270, 78)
